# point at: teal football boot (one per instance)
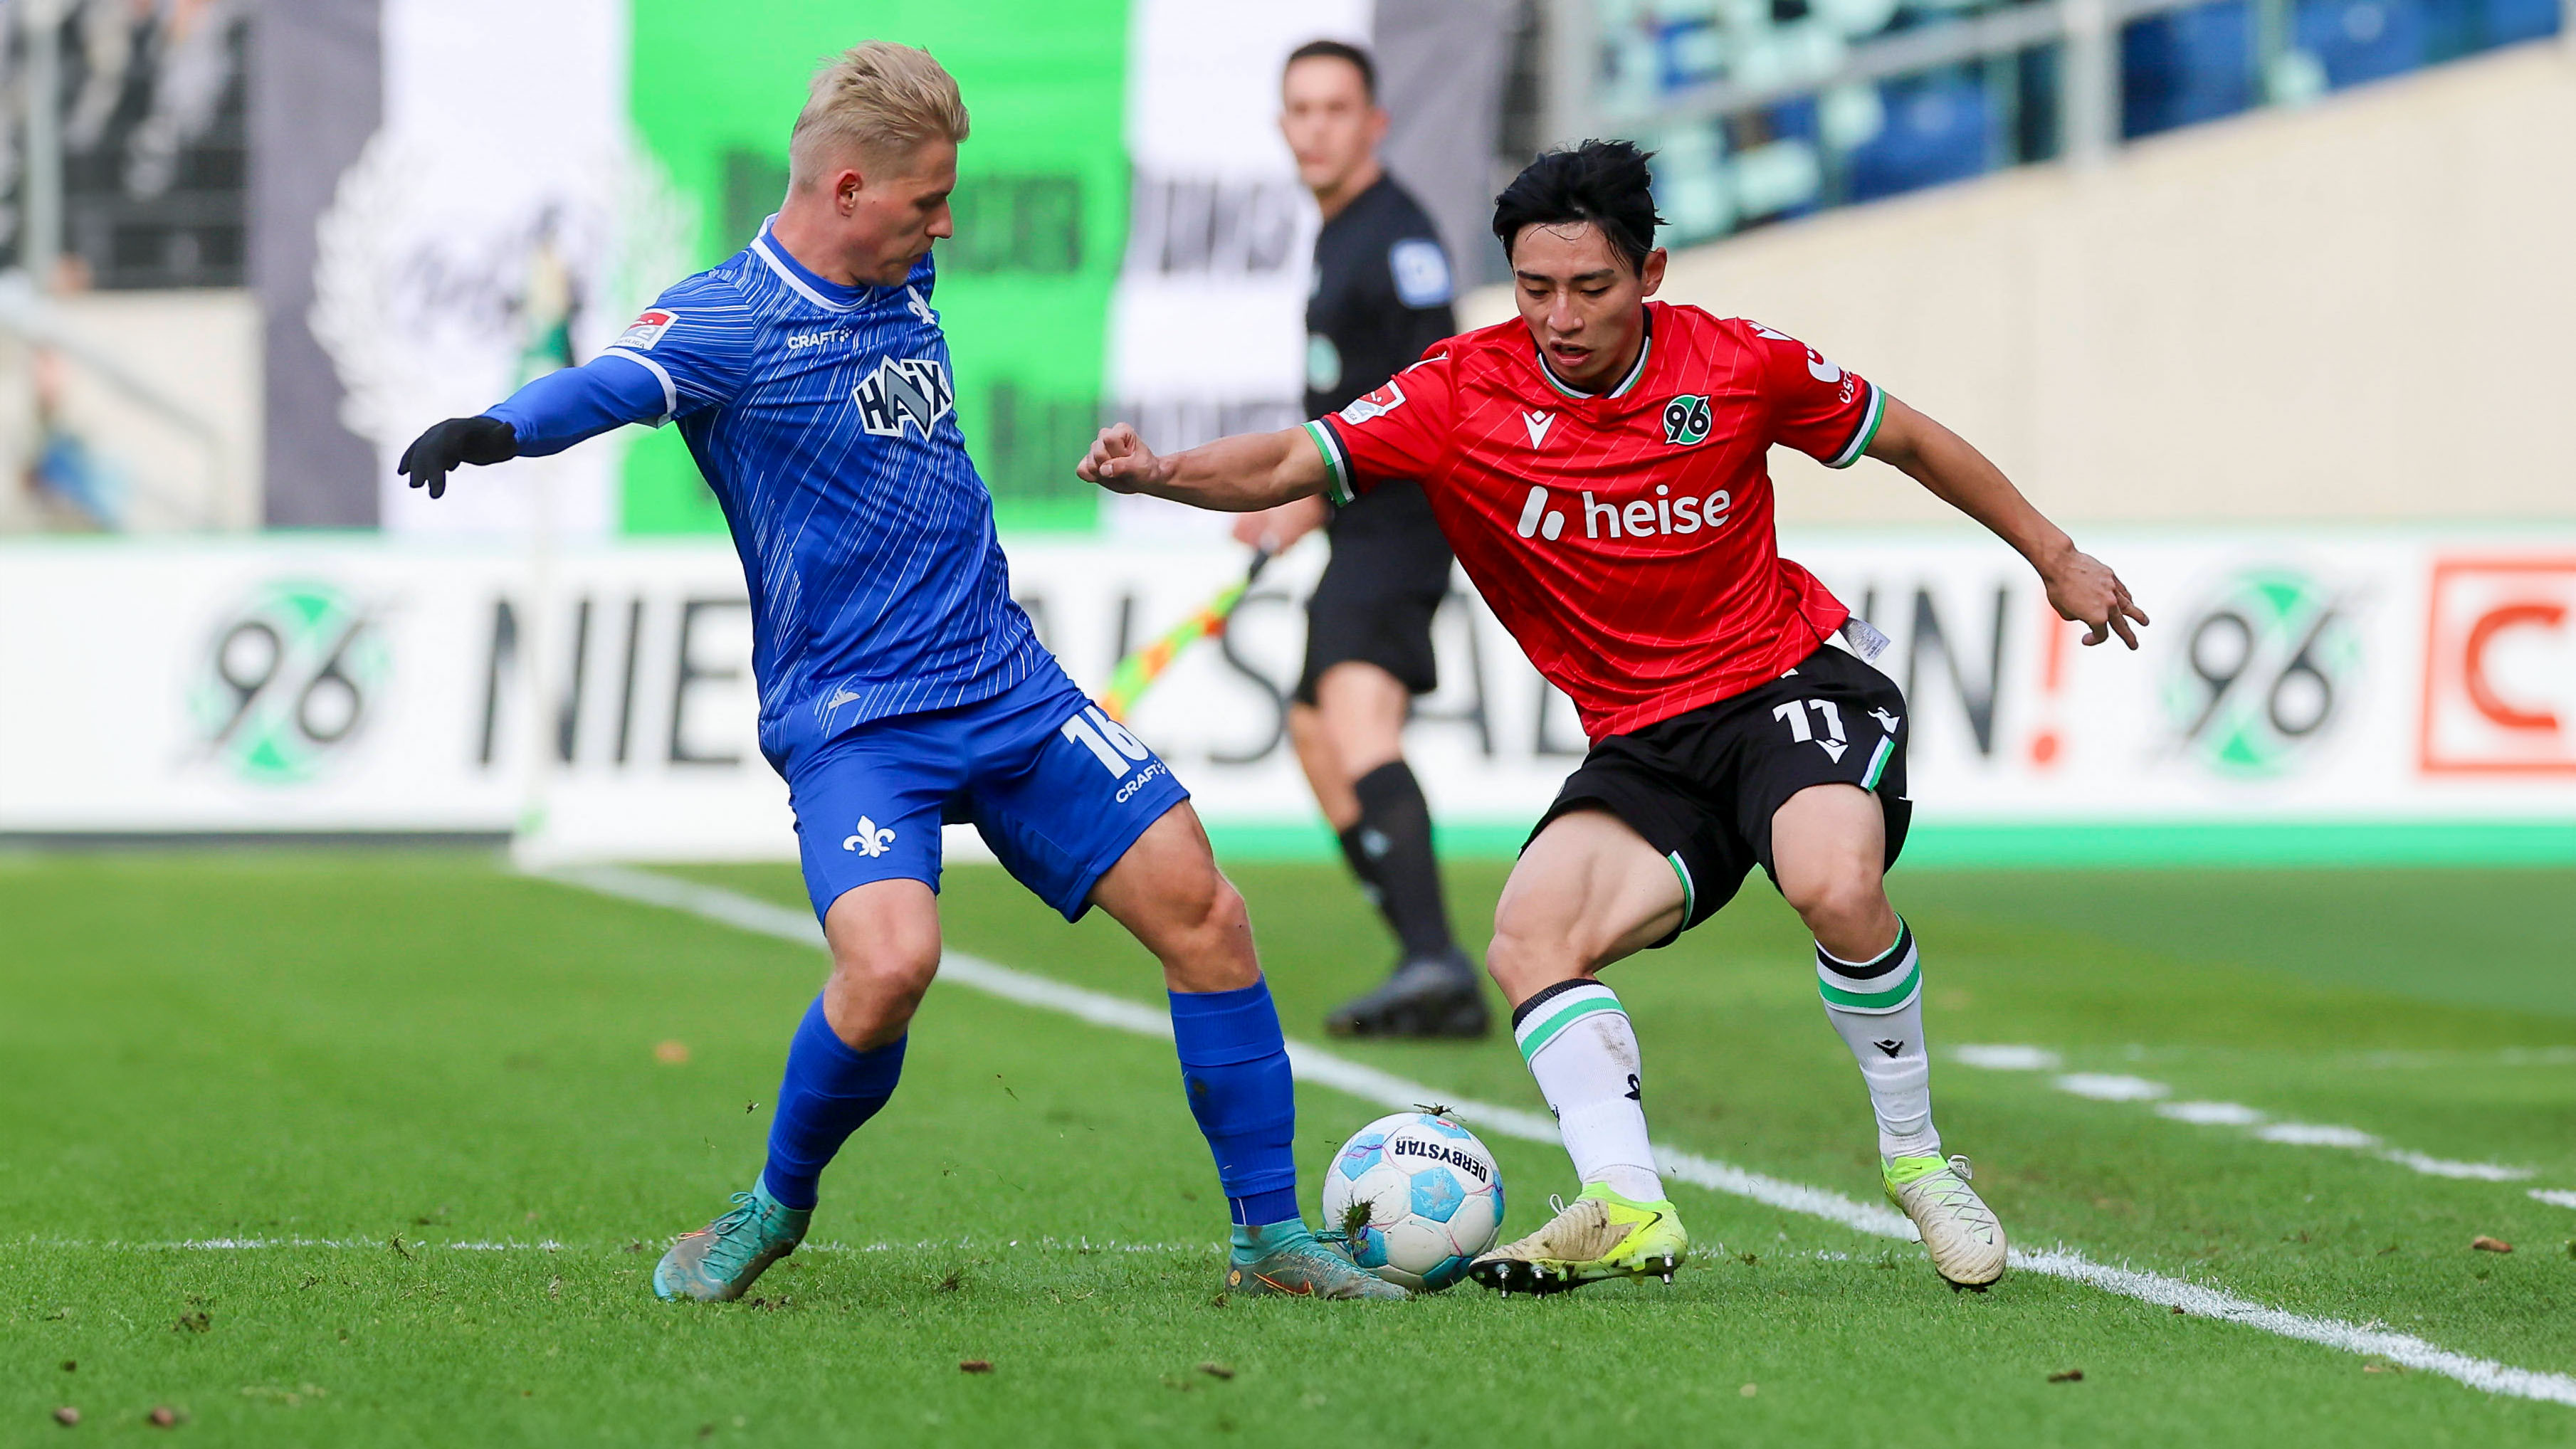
(1287, 1258)
(719, 1262)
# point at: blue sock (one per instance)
(829, 1091)
(1234, 1066)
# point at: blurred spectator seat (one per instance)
(2186, 66)
(2363, 40)
(1937, 130)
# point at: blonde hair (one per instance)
(879, 98)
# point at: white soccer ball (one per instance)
(1418, 1196)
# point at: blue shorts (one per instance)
(1056, 788)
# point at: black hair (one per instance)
(1339, 50)
(1606, 183)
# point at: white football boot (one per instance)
(1959, 1230)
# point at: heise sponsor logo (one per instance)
(2263, 669)
(1661, 516)
(286, 680)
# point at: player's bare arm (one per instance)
(2080, 587)
(1241, 474)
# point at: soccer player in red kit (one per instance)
(1599, 467)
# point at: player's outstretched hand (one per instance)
(1118, 461)
(2083, 588)
(448, 445)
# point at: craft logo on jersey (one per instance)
(644, 331)
(912, 390)
(1375, 405)
(1686, 420)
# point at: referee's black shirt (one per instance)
(1381, 295)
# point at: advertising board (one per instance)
(2371, 695)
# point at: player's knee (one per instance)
(1836, 894)
(1212, 914)
(894, 967)
(1523, 961)
(1204, 935)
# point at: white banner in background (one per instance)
(458, 261)
(334, 685)
(1207, 325)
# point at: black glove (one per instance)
(436, 453)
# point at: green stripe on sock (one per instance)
(1886, 1000)
(1547, 1030)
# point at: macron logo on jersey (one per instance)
(912, 390)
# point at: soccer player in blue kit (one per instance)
(900, 686)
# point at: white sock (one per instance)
(1877, 1006)
(1580, 1047)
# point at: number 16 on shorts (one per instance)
(1115, 747)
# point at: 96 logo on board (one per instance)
(286, 681)
(2263, 674)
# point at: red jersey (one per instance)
(1624, 538)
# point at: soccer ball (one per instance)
(1418, 1197)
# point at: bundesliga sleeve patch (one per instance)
(1375, 405)
(644, 331)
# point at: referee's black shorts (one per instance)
(1374, 605)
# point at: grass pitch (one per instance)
(433, 1110)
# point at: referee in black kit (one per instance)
(1381, 294)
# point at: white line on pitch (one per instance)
(1313, 1064)
(2102, 1087)
(252, 1245)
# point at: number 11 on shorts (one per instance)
(1794, 714)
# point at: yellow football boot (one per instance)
(1598, 1235)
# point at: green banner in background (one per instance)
(1041, 211)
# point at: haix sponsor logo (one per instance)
(1661, 516)
(1438, 1152)
(909, 391)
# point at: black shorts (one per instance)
(1702, 786)
(1374, 605)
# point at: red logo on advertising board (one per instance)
(2500, 667)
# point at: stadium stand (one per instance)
(1770, 112)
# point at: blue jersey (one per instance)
(824, 419)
